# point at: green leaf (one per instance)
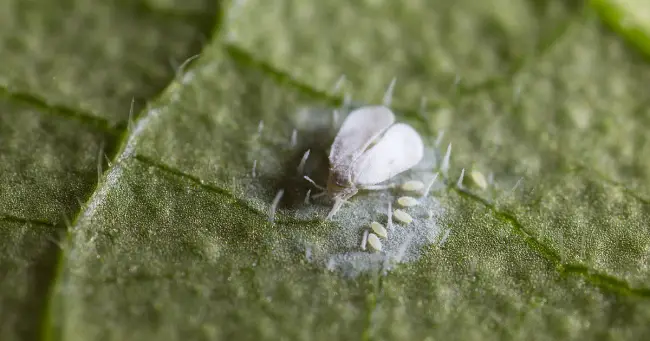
(627, 17)
(69, 73)
(176, 236)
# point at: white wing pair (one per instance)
(370, 149)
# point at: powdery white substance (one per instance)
(340, 250)
(337, 245)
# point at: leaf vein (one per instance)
(601, 280)
(214, 189)
(20, 220)
(48, 328)
(44, 106)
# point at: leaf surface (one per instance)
(177, 238)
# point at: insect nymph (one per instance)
(368, 150)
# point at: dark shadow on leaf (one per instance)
(317, 138)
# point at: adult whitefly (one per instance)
(370, 149)
(366, 240)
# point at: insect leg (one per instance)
(338, 202)
(316, 196)
(314, 183)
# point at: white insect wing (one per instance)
(362, 127)
(398, 150)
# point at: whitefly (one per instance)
(369, 149)
(351, 250)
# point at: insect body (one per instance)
(368, 150)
